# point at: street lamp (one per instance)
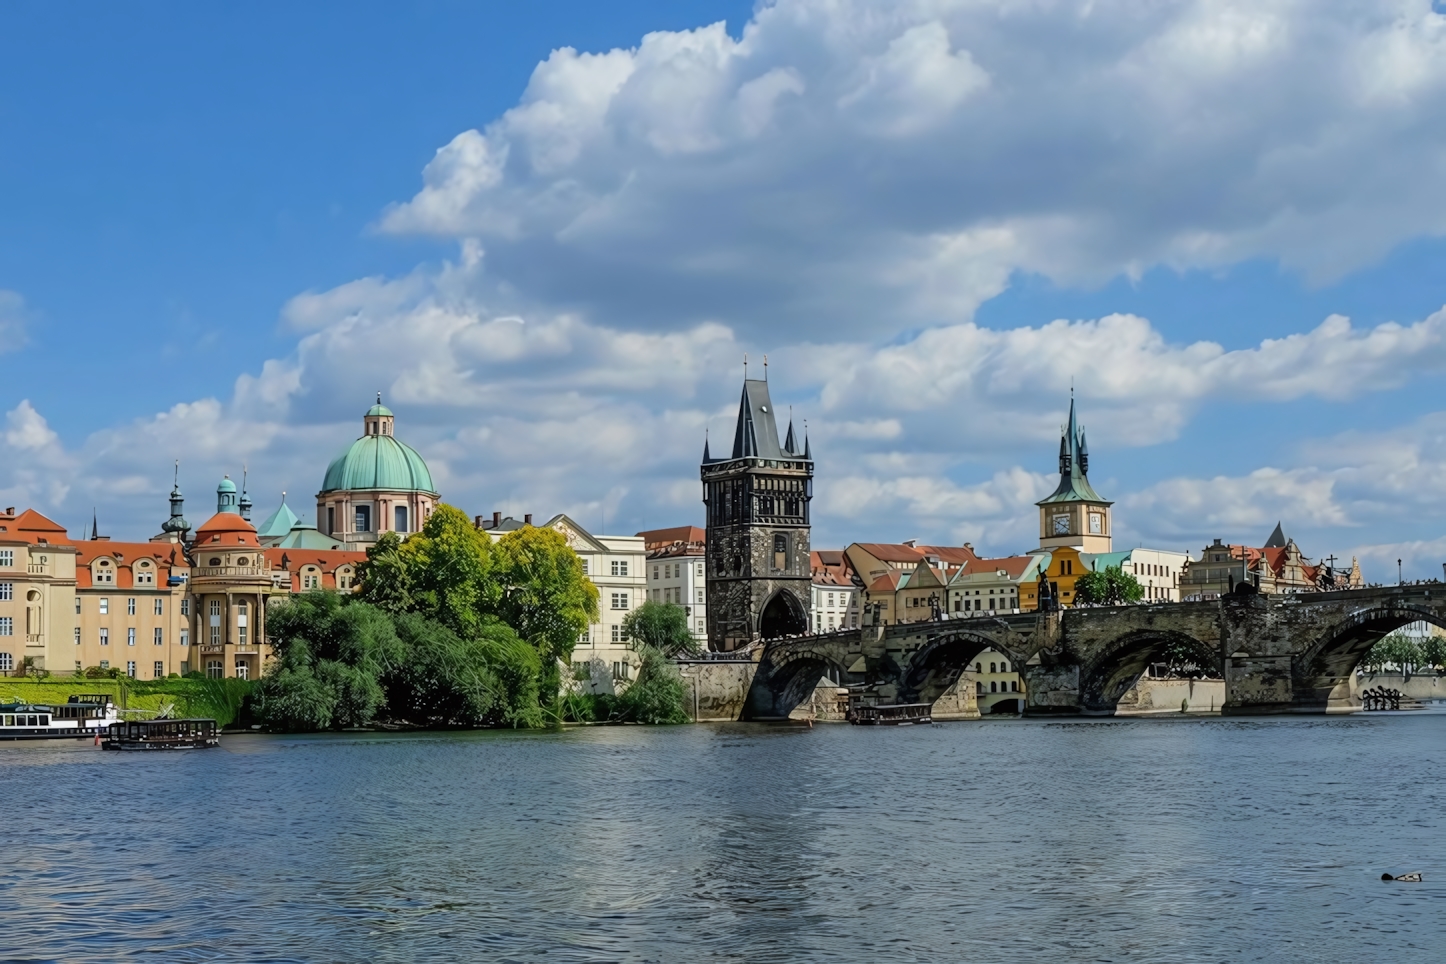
(1399, 580)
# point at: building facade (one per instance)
(676, 562)
(1276, 567)
(994, 586)
(756, 570)
(37, 591)
(836, 600)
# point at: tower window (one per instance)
(399, 515)
(780, 552)
(330, 519)
(363, 518)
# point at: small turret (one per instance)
(226, 495)
(245, 504)
(176, 524)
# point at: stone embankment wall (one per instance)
(1416, 687)
(717, 689)
(1163, 697)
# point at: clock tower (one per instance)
(1074, 515)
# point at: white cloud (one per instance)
(851, 166)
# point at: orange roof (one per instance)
(888, 582)
(1013, 565)
(32, 527)
(899, 552)
(165, 556)
(657, 538)
(327, 560)
(226, 529)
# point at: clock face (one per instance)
(1061, 525)
(1096, 522)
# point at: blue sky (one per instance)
(548, 232)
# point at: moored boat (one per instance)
(82, 717)
(890, 714)
(161, 735)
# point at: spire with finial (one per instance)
(790, 443)
(245, 503)
(176, 524)
(807, 449)
(94, 524)
(706, 457)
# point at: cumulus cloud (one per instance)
(849, 165)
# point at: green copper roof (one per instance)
(226, 485)
(378, 462)
(1074, 467)
(277, 524)
(379, 409)
(303, 536)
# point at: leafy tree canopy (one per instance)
(661, 626)
(1110, 587)
(543, 592)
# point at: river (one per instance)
(1019, 840)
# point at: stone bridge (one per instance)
(1277, 654)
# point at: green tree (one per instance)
(544, 593)
(1433, 652)
(1394, 651)
(1110, 587)
(448, 566)
(662, 626)
(386, 576)
(658, 695)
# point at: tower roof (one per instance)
(1074, 484)
(756, 435)
(1277, 538)
(278, 523)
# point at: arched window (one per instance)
(993, 687)
(1004, 667)
(992, 669)
(214, 669)
(979, 668)
(242, 670)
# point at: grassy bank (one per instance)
(219, 699)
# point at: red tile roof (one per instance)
(327, 560)
(658, 538)
(164, 556)
(225, 529)
(32, 527)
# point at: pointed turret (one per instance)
(756, 435)
(706, 457)
(1084, 453)
(176, 524)
(1277, 538)
(807, 449)
(790, 444)
(94, 524)
(245, 504)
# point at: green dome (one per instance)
(378, 462)
(226, 485)
(379, 409)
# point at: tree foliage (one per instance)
(658, 695)
(661, 626)
(542, 591)
(1400, 652)
(1109, 587)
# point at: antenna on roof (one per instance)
(379, 398)
(765, 368)
(177, 480)
(745, 366)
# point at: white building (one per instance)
(675, 573)
(991, 586)
(615, 564)
(833, 597)
(1158, 570)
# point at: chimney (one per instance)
(910, 542)
(527, 519)
(10, 511)
(969, 546)
(477, 522)
(496, 519)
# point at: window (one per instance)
(620, 600)
(1061, 525)
(363, 518)
(185, 607)
(213, 669)
(993, 687)
(7, 558)
(617, 634)
(700, 595)
(1014, 685)
(7, 591)
(620, 567)
(131, 668)
(215, 635)
(584, 566)
(77, 635)
(185, 667)
(103, 573)
(978, 668)
(655, 572)
(131, 606)
(7, 662)
(343, 579)
(242, 670)
(399, 518)
(311, 579)
(105, 664)
(780, 552)
(586, 636)
(160, 669)
(241, 636)
(159, 607)
(77, 605)
(330, 519)
(215, 610)
(1004, 667)
(185, 637)
(992, 668)
(104, 605)
(622, 669)
(7, 625)
(131, 636)
(104, 636)
(160, 636)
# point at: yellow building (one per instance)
(37, 589)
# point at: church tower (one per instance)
(1074, 515)
(758, 547)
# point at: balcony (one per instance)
(228, 572)
(34, 639)
(246, 650)
(213, 649)
(37, 568)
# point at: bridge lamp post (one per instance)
(1399, 580)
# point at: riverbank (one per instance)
(218, 699)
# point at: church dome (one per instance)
(378, 461)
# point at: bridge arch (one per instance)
(788, 674)
(939, 663)
(1119, 665)
(1328, 666)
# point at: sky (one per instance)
(548, 234)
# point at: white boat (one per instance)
(81, 717)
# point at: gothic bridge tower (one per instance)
(758, 548)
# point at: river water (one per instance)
(1022, 840)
